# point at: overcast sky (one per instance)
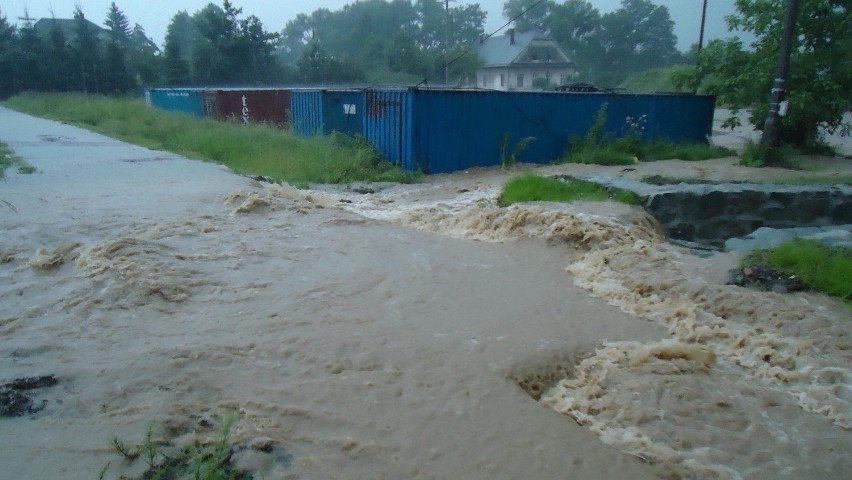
(155, 15)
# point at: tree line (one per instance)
(406, 41)
(367, 41)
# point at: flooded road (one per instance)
(401, 334)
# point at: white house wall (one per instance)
(490, 78)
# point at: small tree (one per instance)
(7, 53)
(819, 87)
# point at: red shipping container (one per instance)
(250, 106)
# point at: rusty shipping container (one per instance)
(270, 106)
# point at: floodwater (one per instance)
(418, 332)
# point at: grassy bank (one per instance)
(247, 149)
(533, 188)
(826, 269)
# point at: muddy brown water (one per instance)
(402, 335)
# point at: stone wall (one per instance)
(709, 214)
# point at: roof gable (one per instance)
(528, 47)
(67, 25)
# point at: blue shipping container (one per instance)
(178, 100)
(440, 131)
(453, 130)
(320, 112)
(307, 111)
(343, 111)
(388, 125)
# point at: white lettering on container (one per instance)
(245, 111)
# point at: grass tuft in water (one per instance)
(826, 269)
(9, 159)
(534, 188)
(246, 149)
(129, 452)
(207, 462)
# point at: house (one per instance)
(523, 61)
(69, 28)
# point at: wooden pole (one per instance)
(772, 128)
(703, 18)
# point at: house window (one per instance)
(564, 79)
(520, 80)
(502, 80)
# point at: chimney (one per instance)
(511, 34)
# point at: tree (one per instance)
(256, 48)
(118, 25)
(180, 42)
(144, 57)
(537, 17)
(317, 66)
(117, 74)
(576, 25)
(8, 35)
(819, 87)
(29, 59)
(86, 54)
(637, 36)
(60, 76)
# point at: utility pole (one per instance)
(772, 128)
(701, 35)
(447, 43)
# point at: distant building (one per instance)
(518, 61)
(69, 28)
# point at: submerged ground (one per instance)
(401, 334)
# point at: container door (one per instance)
(211, 104)
(385, 125)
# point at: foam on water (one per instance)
(750, 384)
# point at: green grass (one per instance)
(624, 151)
(754, 155)
(534, 188)
(845, 179)
(826, 269)
(655, 79)
(206, 462)
(599, 149)
(246, 149)
(9, 159)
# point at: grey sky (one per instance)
(155, 15)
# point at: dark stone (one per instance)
(776, 214)
(842, 213)
(709, 230)
(809, 209)
(682, 231)
(784, 199)
(712, 205)
(736, 228)
(745, 203)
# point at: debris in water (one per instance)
(767, 279)
(45, 259)
(16, 399)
